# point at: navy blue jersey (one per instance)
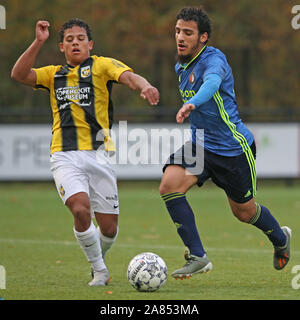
(224, 132)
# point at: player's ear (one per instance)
(204, 37)
(91, 44)
(61, 47)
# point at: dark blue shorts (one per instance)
(235, 175)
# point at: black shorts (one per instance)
(235, 175)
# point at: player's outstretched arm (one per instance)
(184, 112)
(22, 70)
(136, 82)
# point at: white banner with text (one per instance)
(142, 149)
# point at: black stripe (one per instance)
(87, 100)
(69, 134)
(40, 86)
(110, 103)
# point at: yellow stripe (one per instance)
(170, 196)
(56, 143)
(257, 214)
(102, 102)
(239, 137)
(175, 197)
(231, 125)
(84, 139)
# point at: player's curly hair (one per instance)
(197, 15)
(75, 22)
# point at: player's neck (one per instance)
(192, 58)
(74, 64)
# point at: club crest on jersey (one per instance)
(62, 190)
(85, 72)
(192, 78)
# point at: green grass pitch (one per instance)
(43, 260)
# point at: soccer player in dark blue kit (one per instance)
(206, 85)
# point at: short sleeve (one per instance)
(115, 68)
(44, 77)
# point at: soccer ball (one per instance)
(147, 272)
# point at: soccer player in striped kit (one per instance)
(82, 116)
(227, 147)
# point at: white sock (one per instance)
(90, 244)
(106, 242)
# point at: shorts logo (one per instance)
(178, 225)
(248, 194)
(62, 190)
(268, 232)
(114, 197)
(85, 72)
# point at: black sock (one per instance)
(184, 219)
(264, 221)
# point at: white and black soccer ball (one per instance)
(147, 272)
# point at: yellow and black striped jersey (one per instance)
(80, 101)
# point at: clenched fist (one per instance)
(42, 31)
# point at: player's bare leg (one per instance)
(243, 211)
(79, 205)
(176, 179)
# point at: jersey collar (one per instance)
(84, 61)
(185, 66)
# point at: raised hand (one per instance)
(42, 31)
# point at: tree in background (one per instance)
(256, 35)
